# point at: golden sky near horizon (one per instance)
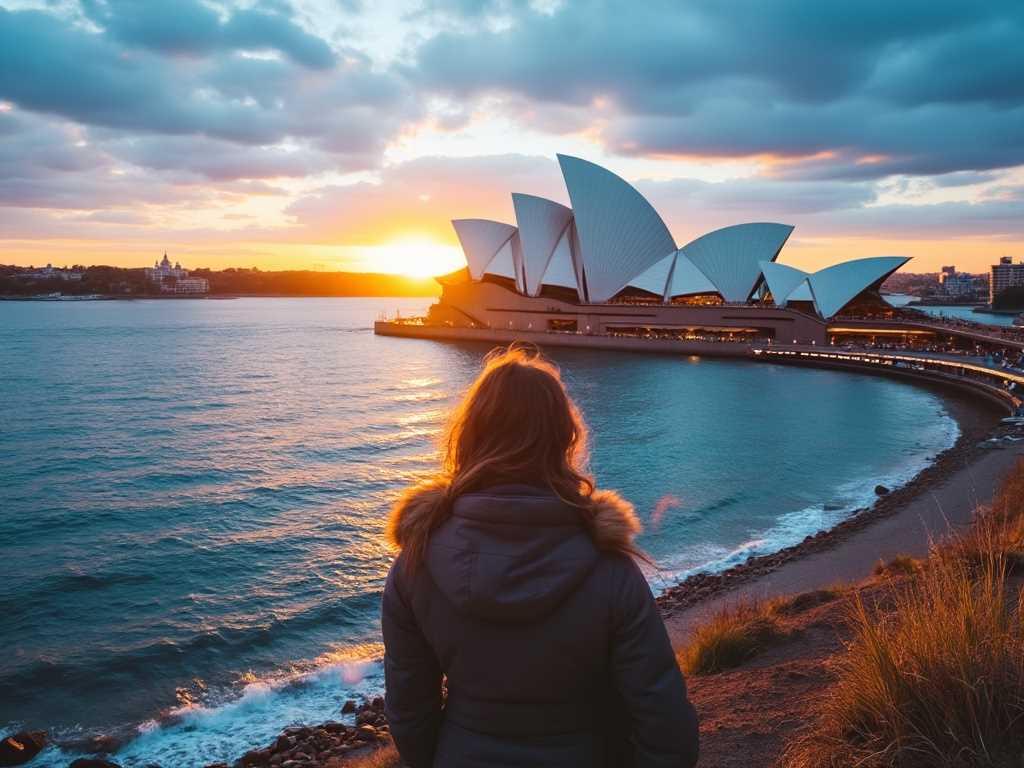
(420, 256)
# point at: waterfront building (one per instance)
(1004, 275)
(960, 284)
(49, 272)
(191, 285)
(608, 265)
(174, 279)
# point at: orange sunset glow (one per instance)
(413, 256)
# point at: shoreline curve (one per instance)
(976, 407)
(940, 497)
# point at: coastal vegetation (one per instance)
(921, 665)
(934, 673)
(739, 632)
(732, 637)
(382, 758)
(901, 564)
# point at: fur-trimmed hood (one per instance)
(511, 552)
(609, 518)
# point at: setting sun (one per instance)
(413, 256)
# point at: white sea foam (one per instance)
(793, 527)
(192, 737)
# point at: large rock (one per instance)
(367, 733)
(19, 748)
(881, 490)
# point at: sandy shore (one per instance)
(940, 498)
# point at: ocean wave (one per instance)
(75, 581)
(793, 527)
(192, 736)
(93, 670)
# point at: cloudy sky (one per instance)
(344, 134)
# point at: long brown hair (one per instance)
(516, 424)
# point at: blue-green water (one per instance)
(192, 495)
(952, 311)
(967, 313)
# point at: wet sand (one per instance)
(941, 498)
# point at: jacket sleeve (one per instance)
(645, 672)
(412, 679)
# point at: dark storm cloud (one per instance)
(349, 111)
(31, 145)
(196, 158)
(773, 198)
(864, 140)
(45, 163)
(190, 27)
(989, 219)
(826, 208)
(964, 178)
(932, 86)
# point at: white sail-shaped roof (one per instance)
(561, 270)
(577, 261)
(620, 234)
(782, 280)
(503, 265)
(801, 293)
(517, 260)
(542, 223)
(687, 279)
(480, 240)
(655, 278)
(834, 287)
(731, 257)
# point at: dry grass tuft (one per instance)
(1000, 530)
(730, 638)
(805, 601)
(739, 632)
(901, 565)
(935, 680)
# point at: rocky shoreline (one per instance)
(328, 745)
(325, 745)
(976, 425)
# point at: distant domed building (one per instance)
(175, 279)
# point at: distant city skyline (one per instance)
(316, 134)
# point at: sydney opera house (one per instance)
(609, 266)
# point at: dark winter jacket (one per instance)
(549, 641)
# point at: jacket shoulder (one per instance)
(415, 512)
